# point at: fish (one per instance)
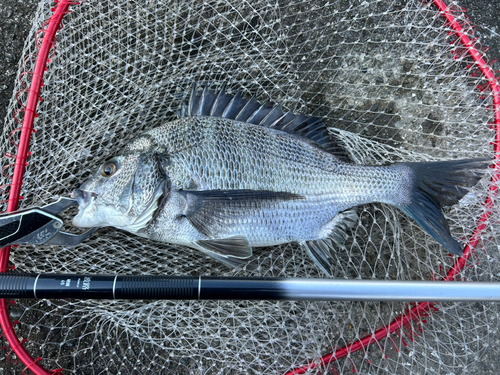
(231, 174)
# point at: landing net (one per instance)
(391, 78)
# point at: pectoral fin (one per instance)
(210, 211)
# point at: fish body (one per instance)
(231, 174)
(230, 156)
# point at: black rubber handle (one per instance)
(98, 286)
(17, 286)
(156, 287)
(136, 287)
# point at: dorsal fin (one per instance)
(220, 104)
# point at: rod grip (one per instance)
(156, 287)
(17, 286)
(98, 286)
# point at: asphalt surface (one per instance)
(15, 23)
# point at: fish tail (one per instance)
(434, 185)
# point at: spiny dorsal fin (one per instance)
(220, 104)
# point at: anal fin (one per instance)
(339, 226)
(322, 250)
(319, 251)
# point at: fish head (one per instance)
(124, 192)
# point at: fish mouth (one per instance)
(84, 198)
(86, 207)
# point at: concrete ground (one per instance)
(15, 23)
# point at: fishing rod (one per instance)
(76, 286)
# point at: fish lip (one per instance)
(84, 198)
(86, 208)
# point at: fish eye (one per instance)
(108, 169)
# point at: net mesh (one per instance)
(389, 81)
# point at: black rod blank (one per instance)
(239, 288)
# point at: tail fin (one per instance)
(438, 184)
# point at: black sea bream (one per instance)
(231, 174)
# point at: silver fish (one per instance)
(231, 174)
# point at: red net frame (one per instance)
(45, 39)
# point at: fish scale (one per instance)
(257, 158)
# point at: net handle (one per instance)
(48, 44)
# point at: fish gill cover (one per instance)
(387, 79)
